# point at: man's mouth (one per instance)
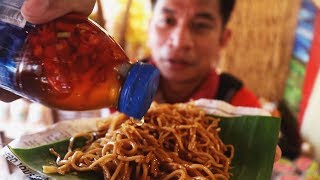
(177, 64)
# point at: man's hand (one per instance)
(278, 154)
(42, 11)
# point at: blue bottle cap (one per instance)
(139, 88)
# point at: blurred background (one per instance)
(276, 54)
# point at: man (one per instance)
(185, 37)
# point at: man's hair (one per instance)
(226, 8)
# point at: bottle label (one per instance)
(10, 12)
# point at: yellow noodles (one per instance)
(175, 142)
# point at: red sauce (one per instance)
(71, 63)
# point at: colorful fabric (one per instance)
(302, 168)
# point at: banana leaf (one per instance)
(254, 139)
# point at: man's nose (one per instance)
(181, 37)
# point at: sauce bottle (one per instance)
(71, 63)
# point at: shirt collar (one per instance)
(207, 89)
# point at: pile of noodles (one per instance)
(174, 142)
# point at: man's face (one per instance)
(185, 38)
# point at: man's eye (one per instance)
(201, 26)
(167, 21)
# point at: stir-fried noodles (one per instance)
(175, 142)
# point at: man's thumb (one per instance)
(42, 11)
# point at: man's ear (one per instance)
(225, 38)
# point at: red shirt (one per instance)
(208, 89)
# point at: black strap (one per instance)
(228, 86)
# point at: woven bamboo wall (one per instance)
(261, 45)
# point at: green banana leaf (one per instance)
(254, 138)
